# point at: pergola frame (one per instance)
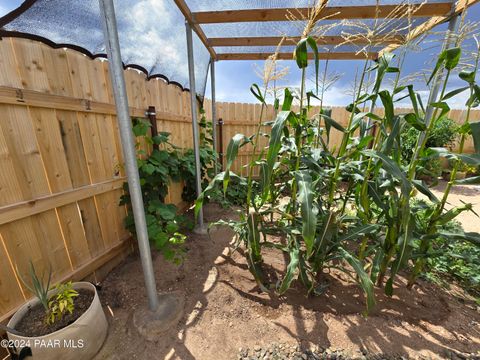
(436, 12)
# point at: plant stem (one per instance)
(324, 79)
(298, 135)
(345, 138)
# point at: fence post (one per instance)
(152, 117)
(220, 142)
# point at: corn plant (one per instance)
(351, 207)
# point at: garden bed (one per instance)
(225, 312)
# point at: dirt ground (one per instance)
(225, 311)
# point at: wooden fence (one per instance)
(60, 158)
(243, 118)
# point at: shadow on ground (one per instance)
(224, 310)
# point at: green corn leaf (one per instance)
(291, 270)
(403, 252)
(232, 152)
(383, 67)
(326, 233)
(357, 119)
(287, 100)
(474, 180)
(359, 231)
(332, 123)
(449, 58)
(413, 99)
(469, 159)
(313, 45)
(453, 93)
(452, 57)
(443, 106)
(393, 136)
(255, 90)
(423, 188)
(365, 282)
(471, 237)
(387, 102)
(475, 130)
(453, 213)
(468, 76)
(415, 121)
(301, 54)
(217, 179)
(308, 209)
(275, 144)
(392, 168)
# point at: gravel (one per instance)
(281, 351)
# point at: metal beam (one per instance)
(128, 145)
(183, 7)
(214, 110)
(332, 13)
(291, 41)
(289, 56)
(193, 103)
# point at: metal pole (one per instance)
(126, 135)
(193, 102)
(214, 111)
(437, 82)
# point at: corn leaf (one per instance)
(359, 231)
(475, 130)
(365, 282)
(232, 153)
(291, 270)
(392, 168)
(423, 188)
(255, 90)
(275, 144)
(308, 210)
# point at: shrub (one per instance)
(444, 133)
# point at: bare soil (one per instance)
(224, 311)
(33, 323)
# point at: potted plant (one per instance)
(64, 322)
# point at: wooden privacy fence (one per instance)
(60, 156)
(243, 118)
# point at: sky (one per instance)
(234, 78)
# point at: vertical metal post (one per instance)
(126, 135)
(437, 82)
(214, 110)
(193, 102)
